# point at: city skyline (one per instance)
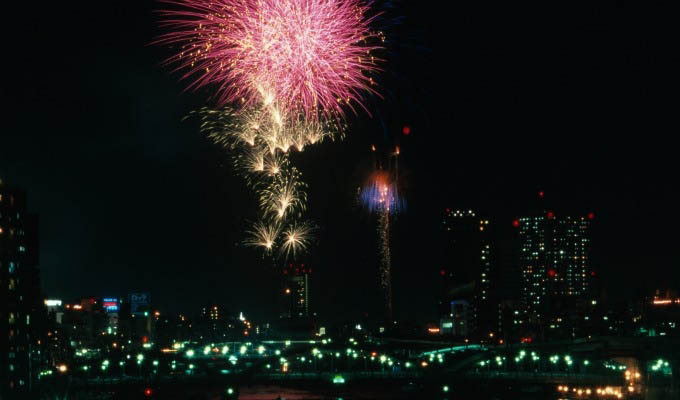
(118, 180)
(339, 199)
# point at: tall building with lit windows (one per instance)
(21, 303)
(296, 289)
(554, 260)
(466, 269)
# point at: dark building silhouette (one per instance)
(22, 312)
(296, 319)
(467, 306)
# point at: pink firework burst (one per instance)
(304, 57)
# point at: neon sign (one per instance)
(110, 304)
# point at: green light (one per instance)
(190, 353)
(140, 357)
(155, 363)
(230, 391)
(338, 379)
(445, 388)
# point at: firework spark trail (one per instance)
(285, 196)
(381, 196)
(308, 58)
(385, 259)
(281, 192)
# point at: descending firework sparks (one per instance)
(284, 196)
(288, 69)
(381, 196)
(385, 257)
(303, 57)
(262, 127)
(296, 238)
(263, 235)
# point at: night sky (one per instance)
(503, 100)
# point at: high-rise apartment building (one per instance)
(554, 261)
(22, 309)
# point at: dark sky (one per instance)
(503, 99)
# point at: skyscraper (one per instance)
(297, 289)
(22, 305)
(554, 259)
(467, 270)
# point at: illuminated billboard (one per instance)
(111, 304)
(139, 302)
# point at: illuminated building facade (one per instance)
(21, 305)
(661, 314)
(554, 262)
(466, 269)
(297, 289)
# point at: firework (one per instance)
(304, 58)
(296, 238)
(285, 196)
(254, 127)
(263, 235)
(287, 70)
(381, 194)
